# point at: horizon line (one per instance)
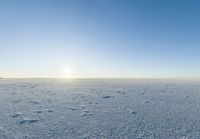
(99, 77)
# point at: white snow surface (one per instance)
(99, 109)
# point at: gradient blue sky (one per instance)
(100, 38)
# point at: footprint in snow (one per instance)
(33, 121)
(72, 108)
(83, 106)
(22, 122)
(106, 97)
(52, 110)
(16, 114)
(133, 112)
(86, 114)
(38, 111)
(86, 111)
(34, 102)
(28, 121)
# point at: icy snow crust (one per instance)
(99, 108)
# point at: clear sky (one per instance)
(100, 38)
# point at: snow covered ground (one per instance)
(99, 108)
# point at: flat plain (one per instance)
(99, 108)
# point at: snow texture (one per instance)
(99, 108)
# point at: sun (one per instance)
(68, 71)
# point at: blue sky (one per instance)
(100, 38)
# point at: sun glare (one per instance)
(68, 72)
